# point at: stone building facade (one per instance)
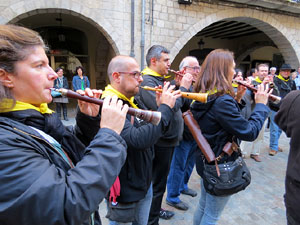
(114, 27)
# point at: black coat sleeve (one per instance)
(229, 116)
(39, 192)
(145, 136)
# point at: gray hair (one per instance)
(273, 68)
(185, 61)
(155, 52)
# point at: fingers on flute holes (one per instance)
(81, 92)
(114, 100)
(89, 92)
(106, 102)
(119, 104)
(97, 93)
(270, 91)
(125, 109)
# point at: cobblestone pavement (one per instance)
(261, 203)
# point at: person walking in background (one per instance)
(80, 81)
(297, 79)
(283, 84)
(255, 146)
(272, 71)
(61, 101)
(252, 74)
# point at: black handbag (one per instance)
(234, 177)
(121, 212)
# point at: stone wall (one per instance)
(173, 24)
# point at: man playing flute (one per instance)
(183, 158)
(136, 174)
(158, 62)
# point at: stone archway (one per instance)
(277, 32)
(22, 9)
(101, 39)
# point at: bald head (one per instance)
(119, 63)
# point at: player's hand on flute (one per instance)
(86, 107)
(169, 96)
(186, 81)
(262, 94)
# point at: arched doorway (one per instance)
(73, 40)
(243, 35)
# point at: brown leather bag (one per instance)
(201, 141)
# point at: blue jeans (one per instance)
(182, 165)
(142, 211)
(209, 208)
(275, 132)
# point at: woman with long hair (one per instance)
(220, 119)
(50, 174)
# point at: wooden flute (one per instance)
(274, 98)
(179, 74)
(146, 115)
(200, 97)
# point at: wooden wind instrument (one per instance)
(179, 74)
(274, 98)
(200, 97)
(146, 115)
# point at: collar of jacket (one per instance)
(258, 80)
(6, 104)
(110, 91)
(148, 71)
(282, 78)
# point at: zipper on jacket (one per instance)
(41, 139)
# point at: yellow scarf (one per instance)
(235, 85)
(110, 91)
(258, 80)
(282, 78)
(7, 103)
(148, 71)
(210, 92)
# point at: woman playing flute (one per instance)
(50, 174)
(220, 119)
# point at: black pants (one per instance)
(58, 109)
(161, 166)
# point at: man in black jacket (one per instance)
(135, 176)
(287, 119)
(283, 85)
(158, 62)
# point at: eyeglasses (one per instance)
(195, 68)
(135, 74)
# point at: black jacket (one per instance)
(281, 88)
(172, 136)
(220, 119)
(287, 119)
(136, 174)
(38, 186)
